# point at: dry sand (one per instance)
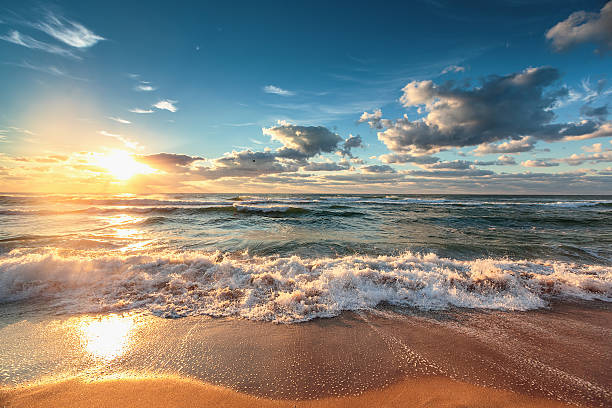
(177, 392)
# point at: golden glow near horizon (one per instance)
(106, 337)
(122, 165)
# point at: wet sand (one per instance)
(457, 358)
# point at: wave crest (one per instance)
(290, 289)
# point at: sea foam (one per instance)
(287, 289)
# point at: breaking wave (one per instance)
(287, 289)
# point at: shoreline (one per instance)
(554, 356)
(182, 392)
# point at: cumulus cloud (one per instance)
(578, 159)
(169, 162)
(166, 104)
(351, 143)
(373, 119)
(582, 27)
(24, 40)
(539, 163)
(271, 89)
(511, 107)
(303, 141)
(451, 165)
(524, 144)
(247, 163)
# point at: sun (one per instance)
(122, 165)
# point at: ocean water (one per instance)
(292, 258)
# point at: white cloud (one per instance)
(16, 37)
(145, 87)
(271, 89)
(68, 32)
(138, 110)
(166, 104)
(119, 120)
(127, 142)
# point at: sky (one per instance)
(326, 97)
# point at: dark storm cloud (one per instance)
(351, 143)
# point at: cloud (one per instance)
(247, 163)
(377, 168)
(582, 27)
(144, 87)
(16, 37)
(325, 166)
(595, 148)
(166, 104)
(502, 107)
(539, 163)
(524, 144)
(578, 159)
(127, 142)
(169, 162)
(600, 112)
(303, 141)
(451, 165)
(373, 119)
(119, 120)
(453, 68)
(67, 31)
(401, 158)
(271, 89)
(351, 143)
(138, 110)
(51, 70)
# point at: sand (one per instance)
(177, 392)
(544, 358)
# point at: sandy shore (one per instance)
(177, 392)
(544, 358)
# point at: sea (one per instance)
(290, 258)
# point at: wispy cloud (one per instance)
(24, 40)
(119, 120)
(67, 31)
(271, 89)
(127, 142)
(51, 70)
(453, 68)
(145, 87)
(166, 104)
(138, 110)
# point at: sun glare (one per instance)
(122, 165)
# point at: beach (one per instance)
(305, 300)
(553, 357)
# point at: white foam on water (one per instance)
(289, 289)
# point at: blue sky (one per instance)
(256, 96)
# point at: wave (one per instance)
(287, 289)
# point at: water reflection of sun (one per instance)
(106, 337)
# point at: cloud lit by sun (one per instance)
(122, 165)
